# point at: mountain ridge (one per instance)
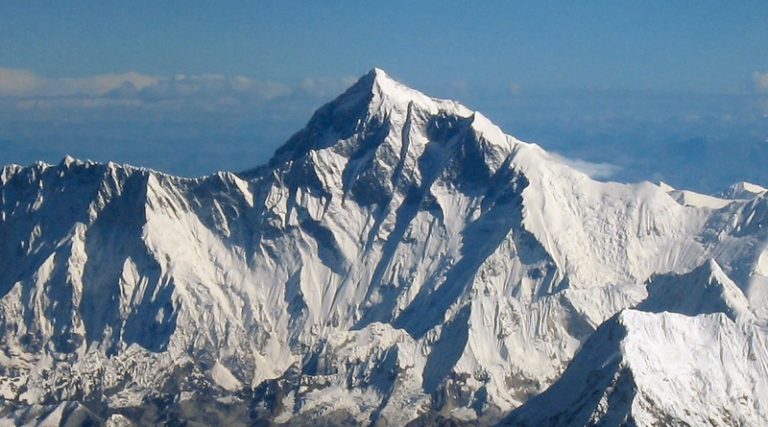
(399, 260)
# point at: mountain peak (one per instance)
(378, 73)
(365, 111)
(394, 93)
(705, 289)
(378, 79)
(743, 190)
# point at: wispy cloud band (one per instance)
(132, 88)
(761, 81)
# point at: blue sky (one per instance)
(192, 87)
(705, 45)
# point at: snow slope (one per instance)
(666, 368)
(706, 289)
(400, 259)
(692, 353)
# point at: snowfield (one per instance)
(399, 260)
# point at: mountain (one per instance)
(399, 260)
(659, 369)
(706, 289)
(692, 353)
(743, 190)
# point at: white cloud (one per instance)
(101, 84)
(761, 81)
(18, 82)
(210, 86)
(593, 170)
(323, 86)
(458, 86)
(209, 89)
(73, 102)
(25, 83)
(265, 89)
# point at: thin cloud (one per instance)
(25, 83)
(593, 170)
(209, 86)
(761, 81)
(135, 89)
(18, 82)
(99, 84)
(324, 86)
(70, 102)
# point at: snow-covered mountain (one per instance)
(399, 260)
(641, 368)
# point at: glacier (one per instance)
(399, 261)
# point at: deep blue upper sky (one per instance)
(192, 87)
(675, 45)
